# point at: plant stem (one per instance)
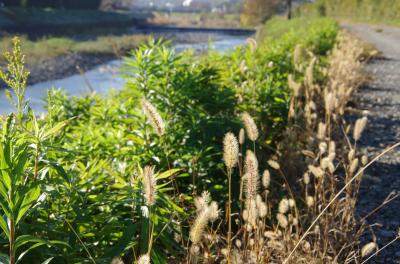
(229, 237)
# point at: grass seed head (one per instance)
(250, 126)
(231, 150)
(149, 185)
(144, 259)
(153, 117)
(359, 128)
(266, 179)
(241, 136)
(368, 249)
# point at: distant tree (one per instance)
(289, 9)
(257, 11)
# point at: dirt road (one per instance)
(381, 98)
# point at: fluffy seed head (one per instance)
(231, 150)
(368, 249)
(316, 171)
(321, 131)
(266, 179)
(306, 178)
(149, 185)
(282, 220)
(202, 201)
(322, 147)
(144, 259)
(251, 127)
(262, 209)
(351, 155)
(283, 206)
(353, 166)
(273, 164)
(332, 147)
(364, 160)
(359, 128)
(251, 184)
(329, 103)
(153, 117)
(310, 201)
(209, 213)
(241, 136)
(292, 203)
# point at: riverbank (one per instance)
(56, 64)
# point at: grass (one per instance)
(49, 47)
(364, 11)
(34, 17)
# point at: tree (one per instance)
(257, 11)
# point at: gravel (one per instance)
(381, 98)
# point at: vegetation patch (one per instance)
(233, 158)
(366, 11)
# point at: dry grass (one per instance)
(274, 230)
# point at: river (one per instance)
(106, 76)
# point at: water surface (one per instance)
(106, 76)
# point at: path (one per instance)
(381, 97)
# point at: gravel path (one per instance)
(381, 98)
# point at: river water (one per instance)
(106, 76)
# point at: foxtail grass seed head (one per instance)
(266, 179)
(332, 156)
(364, 160)
(273, 164)
(359, 128)
(324, 163)
(283, 206)
(144, 259)
(250, 126)
(231, 150)
(353, 166)
(153, 117)
(251, 163)
(202, 201)
(243, 67)
(322, 147)
(306, 178)
(262, 210)
(351, 155)
(252, 44)
(209, 213)
(310, 201)
(368, 249)
(329, 103)
(117, 261)
(316, 171)
(332, 147)
(321, 131)
(292, 203)
(282, 220)
(149, 185)
(241, 136)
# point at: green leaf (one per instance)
(47, 261)
(29, 199)
(4, 226)
(123, 242)
(23, 239)
(29, 249)
(167, 173)
(4, 259)
(54, 130)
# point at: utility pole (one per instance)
(289, 7)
